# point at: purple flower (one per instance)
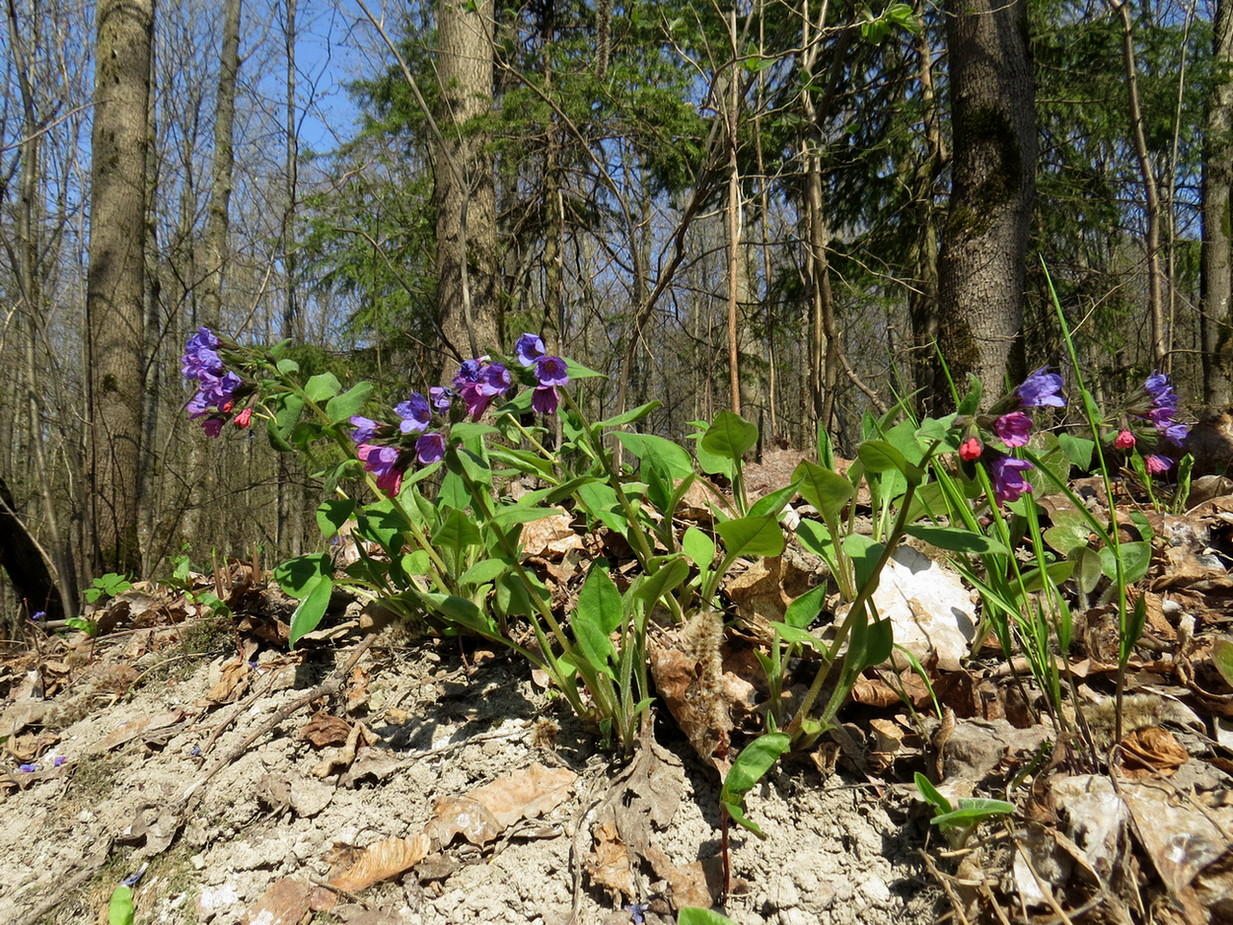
(1157, 464)
(551, 371)
(1013, 429)
(1160, 388)
(201, 356)
(365, 428)
(468, 372)
(38, 615)
(28, 768)
(1041, 388)
(530, 347)
(1176, 433)
(1008, 480)
(494, 379)
(382, 462)
(475, 399)
(58, 761)
(430, 448)
(440, 397)
(415, 413)
(544, 400)
(219, 391)
(213, 426)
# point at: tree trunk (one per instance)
(115, 286)
(1217, 254)
(464, 192)
(982, 262)
(218, 219)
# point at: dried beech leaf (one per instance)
(550, 537)
(463, 816)
(1152, 751)
(324, 730)
(287, 902)
(231, 682)
(135, 728)
(382, 860)
(609, 865)
(525, 794)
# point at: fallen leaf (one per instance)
(324, 730)
(1152, 751)
(382, 860)
(550, 537)
(463, 816)
(524, 794)
(138, 727)
(287, 902)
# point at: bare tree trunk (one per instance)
(218, 218)
(289, 530)
(1151, 195)
(464, 193)
(983, 260)
(733, 112)
(116, 279)
(1216, 320)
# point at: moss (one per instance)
(200, 641)
(999, 170)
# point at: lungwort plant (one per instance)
(438, 489)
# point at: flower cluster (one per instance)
(1042, 389)
(218, 389)
(419, 434)
(1157, 407)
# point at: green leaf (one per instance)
(826, 490)
(287, 367)
(332, 514)
(932, 794)
(972, 810)
(380, 523)
(457, 532)
(629, 417)
(730, 436)
(310, 611)
(755, 759)
(699, 547)
(484, 571)
(600, 501)
(797, 636)
(881, 456)
(297, 577)
(598, 614)
(1077, 449)
(864, 552)
(120, 911)
(772, 504)
(805, 609)
(341, 407)
(956, 539)
(1222, 658)
(578, 371)
(659, 453)
(691, 915)
(322, 387)
(1136, 558)
(461, 611)
(751, 536)
(650, 588)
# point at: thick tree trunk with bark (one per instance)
(116, 277)
(464, 192)
(1217, 267)
(982, 263)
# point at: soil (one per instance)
(144, 717)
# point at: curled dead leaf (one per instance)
(382, 860)
(1151, 751)
(324, 730)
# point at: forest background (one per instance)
(778, 208)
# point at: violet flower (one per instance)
(430, 448)
(415, 412)
(382, 462)
(1040, 389)
(544, 400)
(365, 429)
(530, 347)
(1008, 479)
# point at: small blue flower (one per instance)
(38, 615)
(530, 347)
(28, 768)
(1041, 388)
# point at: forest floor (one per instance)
(373, 776)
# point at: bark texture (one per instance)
(464, 193)
(982, 263)
(1217, 252)
(116, 276)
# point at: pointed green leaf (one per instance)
(956, 539)
(297, 577)
(310, 611)
(322, 387)
(730, 435)
(752, 536)
(332, 514)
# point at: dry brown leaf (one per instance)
(693, 694)
(287, 902)
(231, 683)
(382, 860)
(463, 816)
(324, 730)
(610, 865)
(525, 794)
(137, 727)
(1152, 751)
(550, 537)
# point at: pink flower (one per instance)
(1157, 464)
(1013, 429)
(1124, 440)
(970, 449)
(244, 418)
